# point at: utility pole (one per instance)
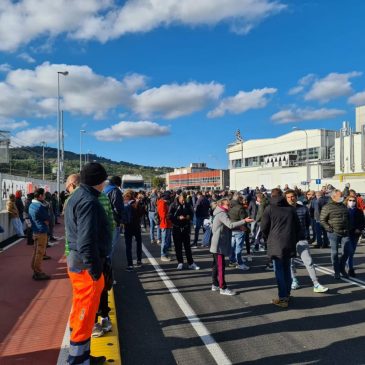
(43, 144)
(62, 162)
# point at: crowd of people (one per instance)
(283, 223)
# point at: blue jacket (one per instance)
(87, 231)
(38, 214)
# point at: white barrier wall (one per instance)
(9, 184)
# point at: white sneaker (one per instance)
(295, 285)
(227, 292)
(249, 258)
(194, 266)
(215, 288)
(243, 267)
(180, 266)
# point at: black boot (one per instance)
(352, 273)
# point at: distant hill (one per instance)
(27, 161)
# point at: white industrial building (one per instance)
(333, 158)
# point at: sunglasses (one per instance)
(350, 200)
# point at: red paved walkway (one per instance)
(33, 314)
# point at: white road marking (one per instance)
(63, 355)
(215, 350)
(328, 271)
(11, 245)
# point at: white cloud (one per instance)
(243, 102)
(5, 67)
(126, 129)
(172, 101)
(302, 83)
(331, 87)
(25, 20)
(299, 115)
(357, 99)
(34, 136)
(27, 92)
(10, 124)
(26, 57)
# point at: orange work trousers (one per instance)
(85, 303)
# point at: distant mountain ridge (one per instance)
(28, 161)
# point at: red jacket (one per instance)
(360, 203)
(163, 211)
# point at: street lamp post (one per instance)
(64, 73)
(43, 143)
(306, 149)
(81, 132)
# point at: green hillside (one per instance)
(27, 161)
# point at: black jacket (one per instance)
(175, 210)
(304, 220)
(335, 218)
(87, 231)
(280, 225)
(357, 221)
(252, 208)
(116, 200)
(202, 207)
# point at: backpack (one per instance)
(128, 212)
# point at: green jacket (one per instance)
(335, 218)
(260, 211)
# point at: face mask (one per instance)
(340, 200)
(351, 204)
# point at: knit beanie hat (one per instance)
(92, 174)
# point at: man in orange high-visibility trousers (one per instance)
(88, 236)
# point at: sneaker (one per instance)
(344, 274)
(249, 258)
(194, 266)
(153, 242)
(227, 292)
(180, 266)
(352, 273)
(280, 302)
(295, 284)
(40, 276)
(52, 239)
(337, 276)
(139, 263)
(129, 268)
(46, 257)
(243, 267)
(262, 249)
(232, 264)
(319, 288)
(215, 288)
(165, 258)
(97, 360)
(269, 267)
(97, 330)
(106, 324)
(158, 242)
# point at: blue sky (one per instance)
(168, 82)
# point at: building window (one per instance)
(236, 164)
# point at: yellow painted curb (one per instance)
(108, 345)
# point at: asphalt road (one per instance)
(244, 329)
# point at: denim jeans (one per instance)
(115, 241)
(319, 232)
(353, 244)
(283, 276)
(166, 241)
(313, 226)
(151, 217)
(198, 224)
(238, 239)
(335, 241)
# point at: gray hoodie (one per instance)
(222, 226)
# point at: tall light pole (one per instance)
(81, 132)
(64, 73)
(62, 158)
(43, 144)
(307, 150)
